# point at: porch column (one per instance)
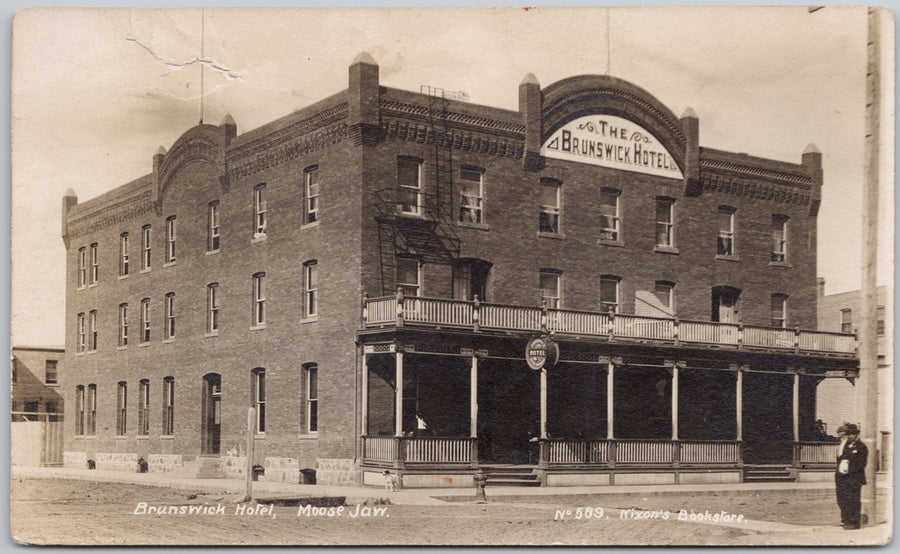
(398, 396)
(675, 402)
(795, 412)
(473, 398)
(739, 403)
(610, 400)
(544, 403)
(364, 401)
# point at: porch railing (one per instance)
(815, 453)
(641, 451)
(418, 311)
(437, 450)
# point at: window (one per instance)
(311, 286)
(259, 299)
(312, 397)
(79, 410)
(95, 264)
(92, 338)
(846, 320)
(52, 408)
(726, 231)
(169, 329)
(91, 411)
(665, 293)
(409, 181)
(311, 195)
(213, 226)
(471, 191)
(779, 310)
(121, 408)
(550, 209)
(145, 320)
(259, 210)
(609, 294)
(549, 283)
(168, 422)
(665, 209)
(779, 238)
(212, 308)
(50, 372)
(123, 324)
(82, 336)
(123, 254)
(609, 214)
(408, 276)
(879, 321)
(145, 247)
(144, 408)
(82, 266)
(170, 239)
(470, 279)
(725, 304)
(258, 390)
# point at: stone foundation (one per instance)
(117, 461)
(235, 467)
(337, 471)
(77, 460)
(282, 470)
(164, 463)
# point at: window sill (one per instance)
(611, 242)
(781, 264)
(81, 287)
(258, 238)
(79, 353)
(169, 264)
(123, 276)
(92, 285)
(732, 258)
(146, 270)
(211, 252)
(259, 436)
(121, 348)
(308, 436)
(167, 437)
(168, 341)
(142, 437)
(120, 437)
(89, 352)
(472, 225)
(51, 384)
(309, 225)
(310, 319)
(258, 327)
(143, 344)
(211, 335)
(557, 236)
(662, 249)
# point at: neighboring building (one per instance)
(35, 376)
(837, 399)
(367, 271)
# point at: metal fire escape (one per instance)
(419, 224)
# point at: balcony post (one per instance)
(740, 336)
(612, 324)
(675, 402)
(365, 309)
(544, 315)
(364, 401)
(399, 307)
(797, 339)
(473, 398)
(398, 394)
(476, 315)
(675, 326)
(610, 399)
(739, 402)
(795, 406)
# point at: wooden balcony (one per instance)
(397, 311)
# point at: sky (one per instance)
(95, 92)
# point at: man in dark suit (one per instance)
(850, 476)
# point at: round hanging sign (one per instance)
(539, 351)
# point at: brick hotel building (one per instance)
(367, 272)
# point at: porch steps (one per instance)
(767, 473)
(511, 476)
(205, 467)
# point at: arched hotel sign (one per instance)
(611, 141)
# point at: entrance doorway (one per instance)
(211, 413)
(509, 407)
(767, 423)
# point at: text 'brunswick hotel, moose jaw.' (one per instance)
(367, 273)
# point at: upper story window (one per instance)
(123, 254)
(311, 195)
(212, 222)
(123, 324)
(258, 392)
(550, 289)
(846, 320)
(259, 299)
(550, 206)
(92, 338)
(409, 182)
(610, 223)
(79, 410)
(779, 238)
(82, 266)
(471, 190)
(311, 288)
(609, 293)
(725, 243)
(50, 372)
(409, 278)
(95, 264)
(779, 310)
(259, 210)
(168, 419)
(170, 239)
(145, 247)
(82, 336)
(312, 397)
(725, 304)
(169, 330)
(665, 221)
(212, 308)
(91, 410)
(121, 408)
(144, 407)
(145, 320)
(665, 293)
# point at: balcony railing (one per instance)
(639, 451)
(434, 450)
(815, 453)
(436, 312)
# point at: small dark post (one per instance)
(480, 482)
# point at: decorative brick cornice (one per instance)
(423, 133)
(760, 190)
(757, 172)
(418, 113)
(284, 152)
(111, 214)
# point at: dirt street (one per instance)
(58, 511)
